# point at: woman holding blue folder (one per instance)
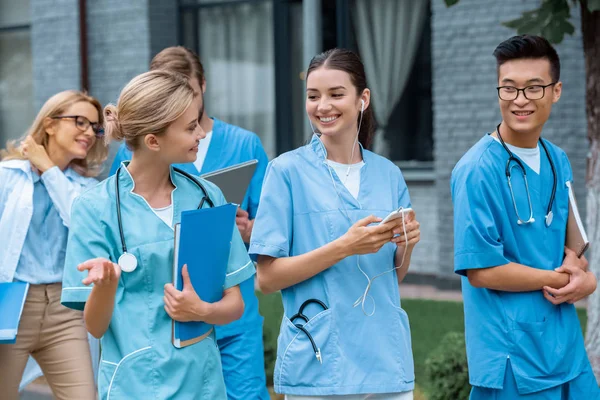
(240, 342)
(119, 261)
(320, 239)
(39, 178)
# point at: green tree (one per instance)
(552, 20)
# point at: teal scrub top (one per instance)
(301, 210)
(544, 342)
(229, 145)
(138, 359)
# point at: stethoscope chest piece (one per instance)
(549, 218)
(128, 262)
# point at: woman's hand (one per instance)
(36, 154)
(185, 305)
(413, 232)
(364, 239)
(101, 272)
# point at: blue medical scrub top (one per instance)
(138, 358)
(301, 210)
(229, 145)
(544, 342)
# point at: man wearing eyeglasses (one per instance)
(511, 205)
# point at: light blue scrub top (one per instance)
(42, 260)
(543, 342)
(229, 145)
(299, 212)
(138, 359)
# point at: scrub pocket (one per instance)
(297, 364)
(129, 378)
(540, 344)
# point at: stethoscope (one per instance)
(127, 261)
(301, 315)
(511, 157)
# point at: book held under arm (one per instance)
(203, 243)
(576, 239)
(12, 300)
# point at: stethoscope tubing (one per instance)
(205, 198)
(511, 158)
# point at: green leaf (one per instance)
(593, 5)
(550, 20)
(450, 3)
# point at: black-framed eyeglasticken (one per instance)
(82, 123)
(531, 92)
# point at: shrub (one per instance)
(446, 369)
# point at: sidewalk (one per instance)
(429, 292)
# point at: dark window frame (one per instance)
(281, 57)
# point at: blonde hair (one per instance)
(148, 105)
(54, 107)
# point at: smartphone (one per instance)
(397, 214)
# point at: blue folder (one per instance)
(203, 242)
(12, 300)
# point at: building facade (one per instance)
(430, 69)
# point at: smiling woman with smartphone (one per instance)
(40, 176)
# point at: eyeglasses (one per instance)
(533, 92)
(83, 124)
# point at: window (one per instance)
(235, 42)
(16, 77)
(252, 51)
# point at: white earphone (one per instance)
(362, 109)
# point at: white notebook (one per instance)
(576, 239)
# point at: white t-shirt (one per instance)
(349, 177)
(202, 150)
(165, 213)
(529, 156)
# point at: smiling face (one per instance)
(524, 116)
(64, 136)
(332, 103)
(179, 144)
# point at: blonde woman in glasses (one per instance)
(40, 176)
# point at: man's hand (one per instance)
(581, 284)
(185, 305)
(244, 224)
(572, 259)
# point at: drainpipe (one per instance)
(83, 48)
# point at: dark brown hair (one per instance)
(179, 59)
(349, 62)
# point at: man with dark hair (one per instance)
(519, 282)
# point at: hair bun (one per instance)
(112, 125)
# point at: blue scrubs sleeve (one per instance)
(272, 231)
(87, 240)
(403, 195)
(477, 238)
(257, 180)
(123, 154)
(239, 268)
